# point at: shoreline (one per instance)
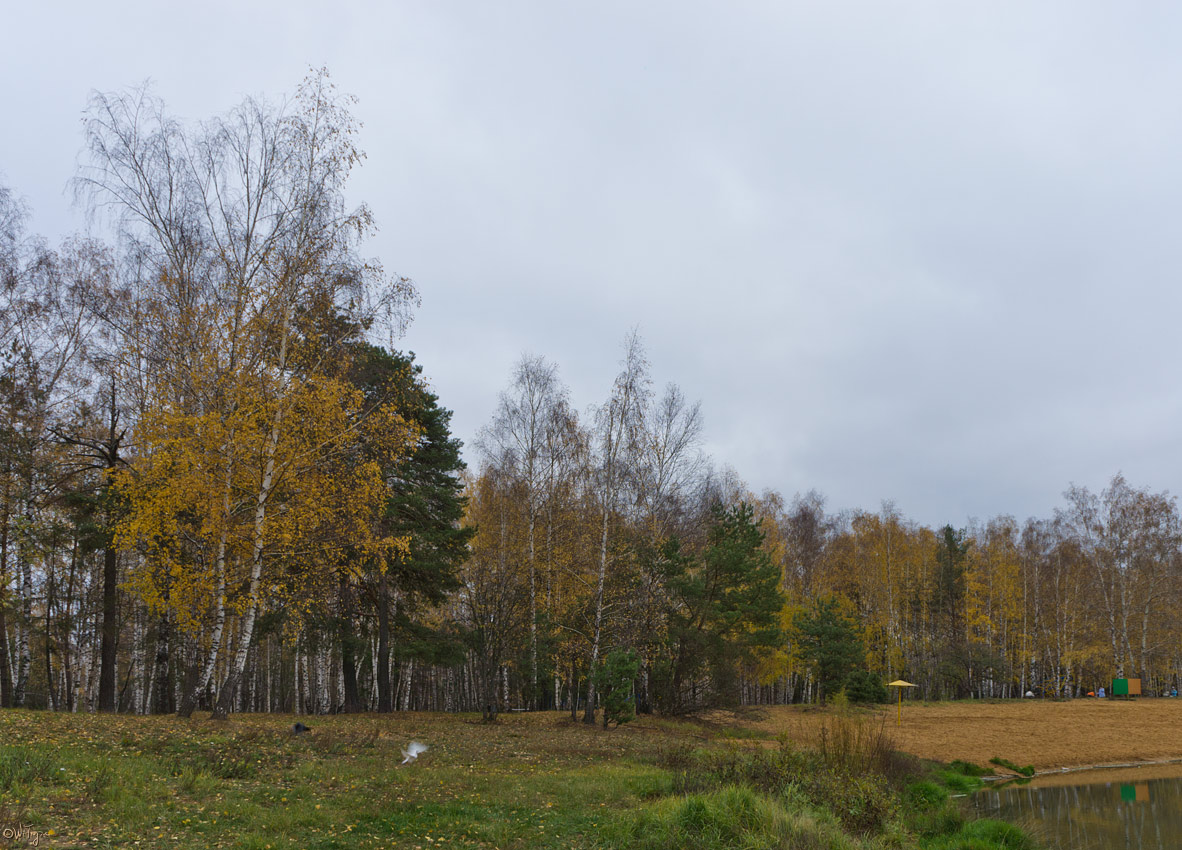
(1117, 766)
(1055, 737)
(1096, 773)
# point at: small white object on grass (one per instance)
(413, 751)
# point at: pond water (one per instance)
(1137, 808)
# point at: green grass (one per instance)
(959, 782)
(1028, 770)
(732, 817)
(984, 835)
(967, 768)
(531, 781)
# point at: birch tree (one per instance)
(247, 280)
(1129, 537)
(45, 328)
(618, 436)
(492, 595)
(520, 441)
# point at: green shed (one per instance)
(1126, 687)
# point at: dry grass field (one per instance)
(1048, 735)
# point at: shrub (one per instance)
(983, 835)
(614, 680)
(959, 782)
(998, 834)
(730, 817)
(862, 686)
(769, 771)
(864, 804)
(925, 796)
(854, 744)
(967, 768)
(100, 779)
(25, 766)
(1028, 770)
(930, 824)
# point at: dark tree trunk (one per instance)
(491, 701)
(106, 453)
(189, 695)
(349, 672)
(225, 703)
(189, 698)
(573, 693)
(50, 687)
(348, 644)
(161, 672)
(108, 658)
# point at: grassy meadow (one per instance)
(530, 781)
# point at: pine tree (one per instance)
(425, 506)
(951, 556)
(724, 607)
(827, 640)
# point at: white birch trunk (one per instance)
(408, 671)
(260, 518)
(589, 710)
(533, 608)
(323, 680)
(24, 655)
(373, 662)
(298, 708)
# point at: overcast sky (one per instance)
(925, 252)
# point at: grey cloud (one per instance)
(916, 251)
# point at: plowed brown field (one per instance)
(1047, 735)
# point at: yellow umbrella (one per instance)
(900, 684)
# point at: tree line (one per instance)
(222, 488)
(608, 535)
(217, 490)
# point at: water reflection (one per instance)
(1138, 793)
(1140, 809)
